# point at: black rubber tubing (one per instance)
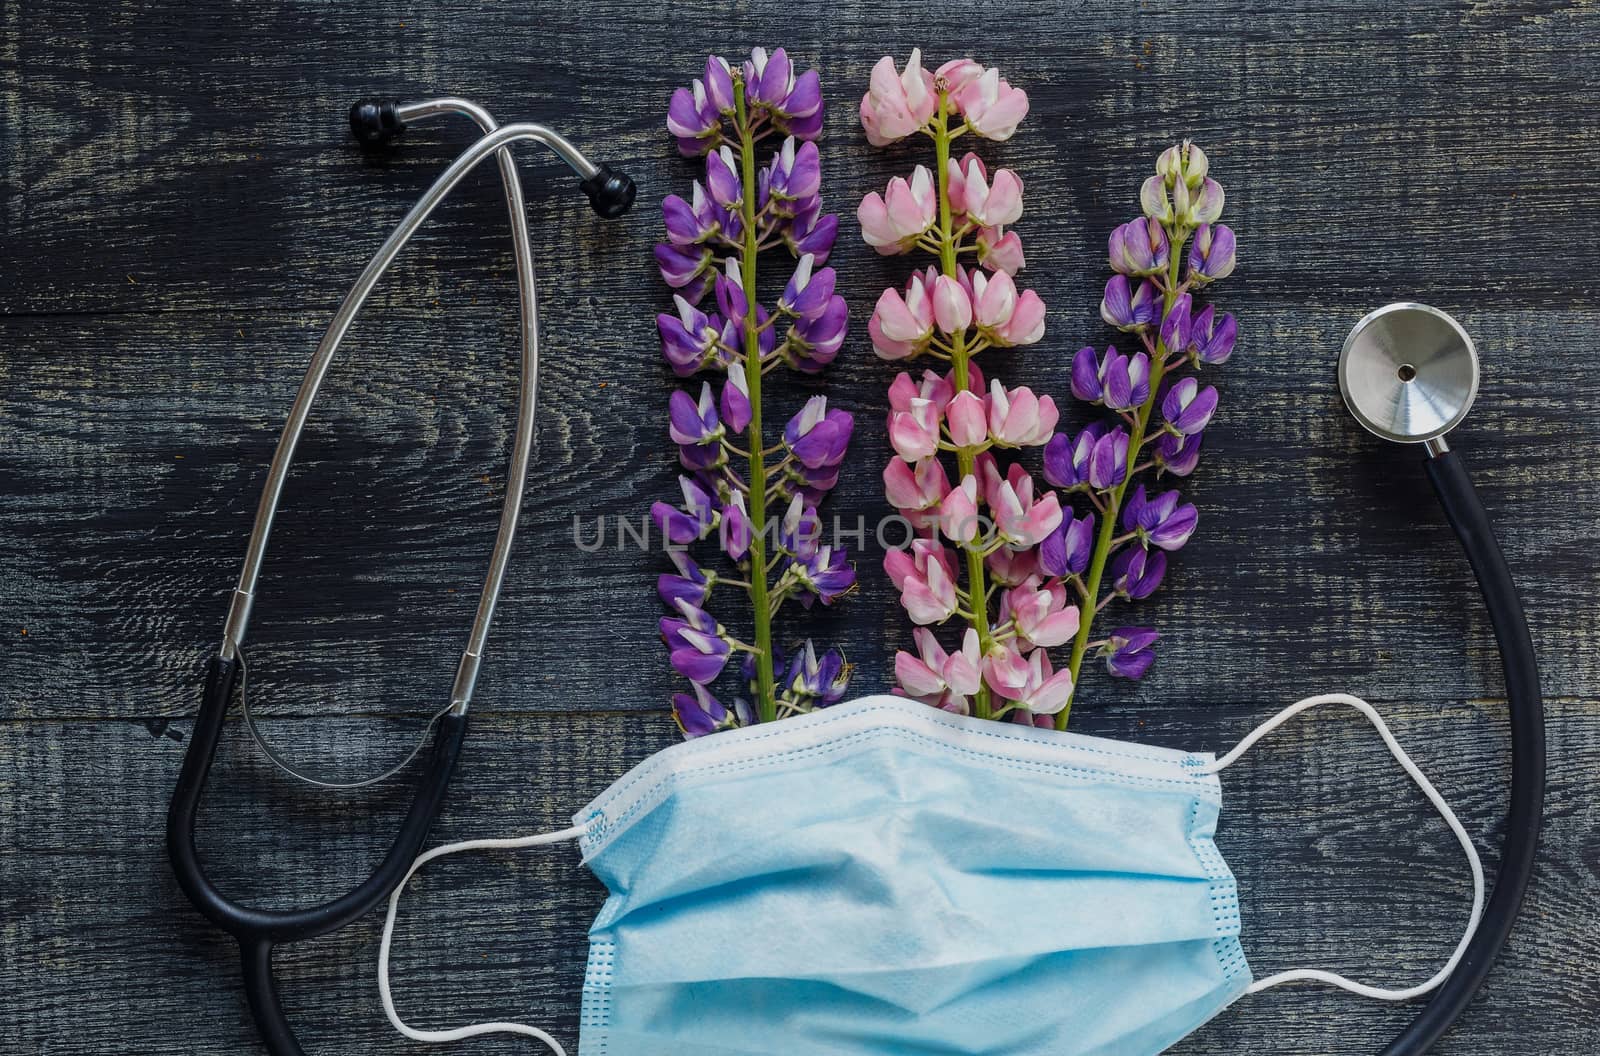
(258, 931)
(1466, 515)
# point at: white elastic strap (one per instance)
(1297, 975)
(475, 1029)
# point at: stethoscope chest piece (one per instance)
(1408, 372)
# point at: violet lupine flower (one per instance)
(1176, 324)
(1119, 382)
(1066, 551)
(712, 236)
(1178, 454)
(1137, 572)
(1066, 461)
(1211, 339)
(1108, 461)
(1211, 254)
(1129, 307)
(1162, 520)
(1187, 407)
(1139, 248)
(1130, 651)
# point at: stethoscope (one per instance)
(1409, 373)
(259, 931)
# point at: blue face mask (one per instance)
(885, 878)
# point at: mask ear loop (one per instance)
(1297, 975)
(476, 1029)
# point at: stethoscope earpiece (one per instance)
(611, 193)
(376, 123)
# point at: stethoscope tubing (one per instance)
(259, 931)
(1525, 705)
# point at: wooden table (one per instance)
(182, 210)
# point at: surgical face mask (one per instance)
(886, 878)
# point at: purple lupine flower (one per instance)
(1125, 380)
(719, 84)
(812, 231)
(1136, 572)
(814, 343)
(1139, 248)
(729, 287)
(1211, 254)
(1108, 462)
(690, 585)
(701, 713)
(1187, 407)
(685, 268)
(735, 402)
(800, 530)
(1130, 651)
(1211, 339)
(702, 220)
(1066, 462)
(817, 436)
(1128, 308)
(1161, 521)
(722, 179)
(820, 681)
(768, 79)
(694, 119)
(808, 293)
(691, 339)
(825, 576)
(1178, 454)
(794, 178)
(1086, 375)
(735, 527)
(692, 522)
(1176, 325)
(694, 423)
(698, 645)
(800, 114)
(1066, 551)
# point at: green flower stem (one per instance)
(1106, 537)
(766, 695)
(959, 355)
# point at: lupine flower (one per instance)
(992, 107)
(952, 305)
(1066, 461)
(1139, 248)
(1066, 551)
(1136, 572)
(818, 436)
(1176, 325)
(915, 491)
(1130, 308)
(1021, 520)
(967, 420)
(1043, 691)
(1178, 454)
(915, 433)
(1108, 461)
(1187, 407)
(1002, 315)
(1211, 339)
(893, 222)
(897, 104)
(1119, 382)
(902, 326)
(1130, 651)
(929, 595)
(691, 585)
(701, 713)
(1000, 250)
(1042, 617)
(989, 205)
(943, 679)
(1161, 520)
(1211, 254)
(711, 240)
(1011, 568)
(958, 513)
(1018, 418)
(932, 388)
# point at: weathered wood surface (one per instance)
(180, 211)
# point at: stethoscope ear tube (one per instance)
(1466, 515)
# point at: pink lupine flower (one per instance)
(991, 205)
(1018, 418)
(915, 432)
(956, 180)
(1011, 568)
(916, 491)
(1021, 520)
(1043, 691)
(958, 514)
(1002, 315)
(1042, 617)
(892, 222)
(901, 325)
(903, 565)
(967, 419)
(1000, 250)
(929, 594)
(992, 107)
(952, 307)
(896, 103)
(940, 678)
(933, 388)
(957, 73)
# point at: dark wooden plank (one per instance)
(180, 210)
(1340, 864)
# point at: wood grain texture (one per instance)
(180, 211)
